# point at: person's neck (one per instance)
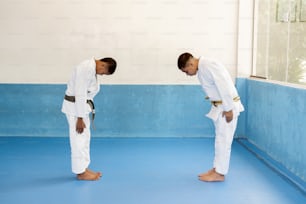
(197, 63)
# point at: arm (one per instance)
(80, 98)
(224, 86)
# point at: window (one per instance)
(280, 40)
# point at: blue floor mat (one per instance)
(136, 171)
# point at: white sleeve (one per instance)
(224, 86)
(80, 92)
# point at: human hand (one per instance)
(228, 115)
(80, 125)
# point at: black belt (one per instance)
(90, 103)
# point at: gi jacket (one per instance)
(218, 85)
(84, 85)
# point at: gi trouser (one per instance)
(223, 141)
(79, 144)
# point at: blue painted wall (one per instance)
(30, 110)
(122, 111)
(153, 111)
(241, 85)
(276, 123)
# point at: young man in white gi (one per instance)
(77, 105)
(226, 107)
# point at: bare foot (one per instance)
(97, 173)
(213, 176)
(207, 173)
(88, 176)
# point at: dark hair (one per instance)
(182, 60)
(112, 64)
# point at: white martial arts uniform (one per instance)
(84, 85)
(218, 85)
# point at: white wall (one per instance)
(41, 40)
